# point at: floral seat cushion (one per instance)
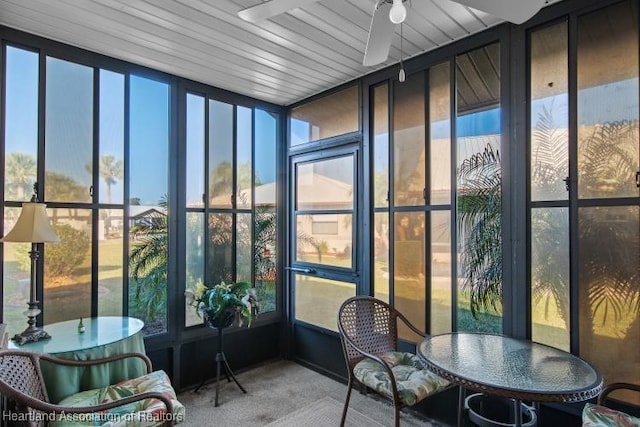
(143, 413)
(601, 416)
(414, 381)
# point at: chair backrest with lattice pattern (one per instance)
(370, 324)
(20, 374)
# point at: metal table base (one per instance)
(520, 415)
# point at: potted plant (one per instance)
(221, 304)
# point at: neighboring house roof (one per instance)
(136, 211)
(317, 191)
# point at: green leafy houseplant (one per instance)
(222, 303)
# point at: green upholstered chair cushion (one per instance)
(144, 413)
(414, 381)
(600, 416)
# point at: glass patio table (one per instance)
(103, 337)
(511, 368)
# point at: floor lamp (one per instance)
(33, 227)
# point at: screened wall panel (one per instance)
(67, 273)
(111, 280)
(148, 202)
(317, 300)
(608, 102)
(381, 265)
(244, 150)
(68, 131)
(16, 278)
(324, 211)
(195, 139)
(112, 135)
(381, 192)
(584, 205)
(194, 262)
(220, 244)
(549, 113)
(409, 291)
(440, 134)
(550, 277)
(381, 146)
(238, 241)
(549, 170)
(110, 217)
(326, 184)
(21, 123)
(608, 235)
(329, 116)
(106, 141)
(244, 251)
(479, 190)
(441, 303)
(221, 119)
(409, 141)
(609, 239)
(266, 245)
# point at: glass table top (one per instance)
(99, 331)
(509, 364)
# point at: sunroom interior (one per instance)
(495, 189)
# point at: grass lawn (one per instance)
(548, 326)
(70, 297)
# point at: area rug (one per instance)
(325, 412)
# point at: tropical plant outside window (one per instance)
(480, 230)
(149, 267)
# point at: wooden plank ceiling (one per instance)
(282, 60)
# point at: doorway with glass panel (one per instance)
(323, 266)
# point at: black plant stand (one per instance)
(221, 362)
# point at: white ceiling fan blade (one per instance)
(269, 9)
(380, 35)
(516, 11)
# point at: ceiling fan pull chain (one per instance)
(401, 75)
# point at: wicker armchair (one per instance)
(22, 383)
(601, 416)
(369, 334)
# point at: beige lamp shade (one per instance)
(32, 225)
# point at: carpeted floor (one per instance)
(324, 413)
(285, 393)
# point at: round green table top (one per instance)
(99, 331)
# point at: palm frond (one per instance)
(480, 229)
